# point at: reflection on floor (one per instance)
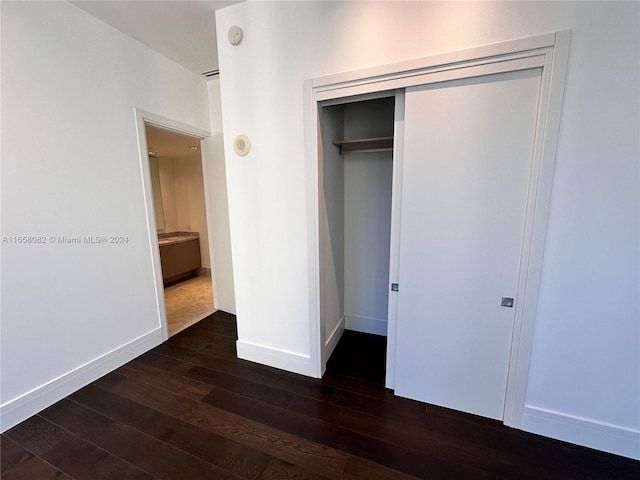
(188, 302)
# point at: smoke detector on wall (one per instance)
(235, 35)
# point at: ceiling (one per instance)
(169, 144)
(184, 31)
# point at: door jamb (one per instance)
(143, 117)
(552, 51)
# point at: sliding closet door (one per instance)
(467, 157)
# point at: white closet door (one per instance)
(468, 147)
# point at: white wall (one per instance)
(215, 180)
(157, 194)
(192, 216)
(367, 218)
(585, 373)
(71, 166)
(168, 194)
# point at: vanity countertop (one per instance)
(175, 239)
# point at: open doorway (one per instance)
(177, 184)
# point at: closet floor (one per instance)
(361, 356)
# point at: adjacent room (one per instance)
(180, 214)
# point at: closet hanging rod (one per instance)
(380, 143)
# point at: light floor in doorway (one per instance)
(188, 302)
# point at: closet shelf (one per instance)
(381, 143)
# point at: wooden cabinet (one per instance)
(180, 258)
(186, 256)
(166, 260)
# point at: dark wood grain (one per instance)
(154, 376)
(361, 469)
(189, 409)
(12, 454)
(37, 434)
(18, 463)
(297, 450)
(256, 373)
(377, 449)
(281, 470)
(74, 456)
(220, 451)
(258, 391)
(151, 455)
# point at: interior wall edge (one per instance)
(331, 342)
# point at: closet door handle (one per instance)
(507, 302)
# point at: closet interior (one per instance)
(355, 185)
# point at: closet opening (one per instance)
(355, 184)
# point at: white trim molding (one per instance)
(334, 338)
(375, 326)
(277, 358)
(23, 407)
(547, 134)
(582, 431)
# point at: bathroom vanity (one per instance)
(179, 256)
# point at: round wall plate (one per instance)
(241, 145)
(234, 35)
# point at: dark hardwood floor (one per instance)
(189, 409)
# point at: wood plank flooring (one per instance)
(189, 409)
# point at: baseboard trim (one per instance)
(375, 326)
(582, 431)
(334, 338)
(204, 272)
(277, 358)
(27, 405)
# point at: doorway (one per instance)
(178, 219)
(175, 162)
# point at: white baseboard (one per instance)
(334, 338)
(27, 405)
(582, 431)
(273, 357)
(376, 326)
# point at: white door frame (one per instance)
(143, 117)
(549, 52)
